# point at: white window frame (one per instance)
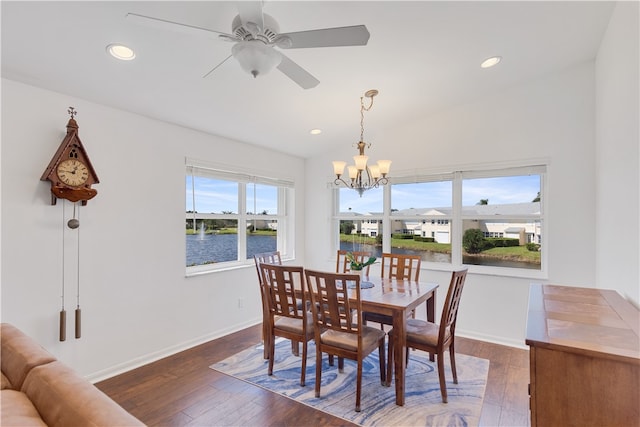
(285, 216)
(538, 167)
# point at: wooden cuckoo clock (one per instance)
(70, 171)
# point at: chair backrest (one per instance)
(400, 266)
(451, 304)
(330, 293)
(284, 286)
(344, 266)
(266, 258)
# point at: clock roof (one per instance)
(71, 139)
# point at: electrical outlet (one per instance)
(240, 302)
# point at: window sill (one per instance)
(201, 270)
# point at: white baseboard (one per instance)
(492, 339)
(152, 357)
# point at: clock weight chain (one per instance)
(73, 224)
(63, 312)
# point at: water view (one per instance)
(430, 256)
(207, 248)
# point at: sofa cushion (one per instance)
(5, 382)
(77, 402)
(20, 354)
(17, 410)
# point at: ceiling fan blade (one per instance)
(298, 74)
(356, 35)
(174, 26)
(251, 11)
(216, 67)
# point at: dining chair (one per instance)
(400, 267)
(269, 258)
(337, 332)
(435, 338)
(344, 266)
(284, 286)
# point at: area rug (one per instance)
(423, 402)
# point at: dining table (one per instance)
(397, 298)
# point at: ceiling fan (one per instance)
(257, 35)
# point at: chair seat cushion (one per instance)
(421, 332)
(347, 341)
(293, 325)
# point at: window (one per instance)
(490, 220)
(504, 208)
(232, 216)
(360, 220)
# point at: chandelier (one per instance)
(361, 176)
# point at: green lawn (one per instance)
(516, 253)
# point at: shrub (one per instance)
(503, 242)
(402, 236)
(473, 241)
(423, 239)
(533, 247)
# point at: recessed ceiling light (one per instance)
(490, 62)
(121, 52)
(315, 131)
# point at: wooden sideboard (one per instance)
(584, 357)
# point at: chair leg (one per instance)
(383, 367)
(452, 356)
(295, 350)
(359, 385)
(340, 364)
(304, 363)
(443, 385)
(272, 350)
(318, 369)
(265, 336)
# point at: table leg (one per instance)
(399, 337)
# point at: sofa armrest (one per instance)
(19, 354)
(64, 398)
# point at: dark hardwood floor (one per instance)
(181, 390)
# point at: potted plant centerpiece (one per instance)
(357, 266)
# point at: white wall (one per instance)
(617, 153)
(135, 299)
(549, 118)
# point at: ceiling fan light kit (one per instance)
(361, 176)
(255, 57)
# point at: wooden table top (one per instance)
(583, 320)
(394, 294)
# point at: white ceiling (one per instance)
(423, 56)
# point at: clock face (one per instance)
(73, 172)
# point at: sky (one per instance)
(502, 190)
(216, 196)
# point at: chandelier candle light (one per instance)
(363, 177)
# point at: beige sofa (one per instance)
(38, 390)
